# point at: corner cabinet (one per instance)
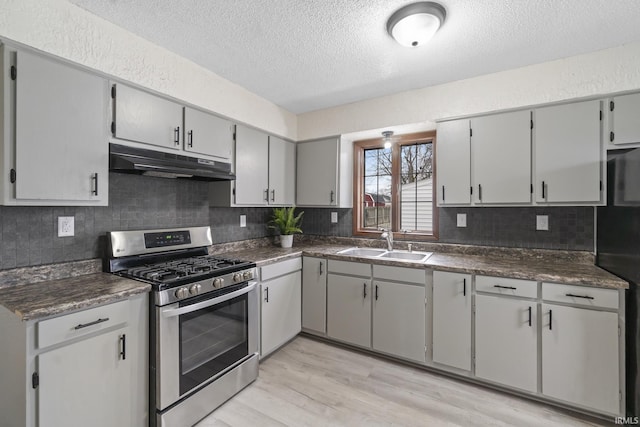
(84, 368)
(623, 119)
(280, 304)
(453, 160)
(501, 158)
(314, 295)
(568, 153)
(54, 132)
(324, 173)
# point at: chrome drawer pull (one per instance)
(504, 287)
(579, 296)
(86, 325)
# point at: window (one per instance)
(394, 188)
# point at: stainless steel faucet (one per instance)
(387, 234)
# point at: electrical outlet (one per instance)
(243, 220)
(462, 220)
(334, 217)
(65, 226)
(542, 222)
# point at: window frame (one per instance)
(358, 185)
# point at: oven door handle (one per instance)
(208, 303)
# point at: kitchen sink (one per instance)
(369, 252)
(407, 256)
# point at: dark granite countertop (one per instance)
(47, 298)
(544, 266)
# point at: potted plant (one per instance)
(285, 221)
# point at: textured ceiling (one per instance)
(306, 55)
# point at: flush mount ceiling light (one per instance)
(415, 24)
(386, 137)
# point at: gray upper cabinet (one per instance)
(453, 152)
(282, 172)
(252, 168)
(317, 173)
(624, 119)
(568, 151)
(55, 134)
(501, 158)
(142, 117)
(207, 134)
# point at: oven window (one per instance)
(211, 340)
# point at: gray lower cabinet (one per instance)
(314, 295)
(280, 304)
(349, 309)
(506, 350)
(84, 368)
(54, 136)
(452, 319)
(580, 357)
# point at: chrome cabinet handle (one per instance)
(550, 319)
(543, 192)
(266, 293)
(504, 287)
(273, 195)
(123, 346)
(480, 192)
(530, 316)
(332, 196)
(321, 268)
(95, 322)
(464, 287)
(376, 292)
(443, 193)
(190, 143)
(364, 291)
(266, 195)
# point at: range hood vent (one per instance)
(166, 165)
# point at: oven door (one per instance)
(200, 339)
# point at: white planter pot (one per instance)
(286, 240)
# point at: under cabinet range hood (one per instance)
(166, 165)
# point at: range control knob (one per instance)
(247, 275)
(217, 283)
(182, 293)
(195, 289)
(237, 277)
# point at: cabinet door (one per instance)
(85, 384)
(142, 117)
(61, 139)
(314, 294)
(501, 158)
(317, 173)
(349, 309)
(252, 174)
(625, 119)
(208, 134)
(281, 307)
(452, 319)
(399, 320)
(568, 152)
(507, 342)
(453, 152)
(580, 357)
(282, 172)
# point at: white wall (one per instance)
(602, 72)
(63, 29)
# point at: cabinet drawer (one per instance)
(59, 329)
(280, 268)
(507, 286)
(580, 295)
(399, 274)
(351, 268)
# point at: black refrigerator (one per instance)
(618, 251)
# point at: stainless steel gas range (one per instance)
(203, 319)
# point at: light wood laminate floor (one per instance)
(313, 383)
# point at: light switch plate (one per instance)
(462, 220)
(243, 220)
(542, 222)
(334, 217)
(66, 226)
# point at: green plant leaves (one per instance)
(285, 220)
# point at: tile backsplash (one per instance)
(29, 234)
